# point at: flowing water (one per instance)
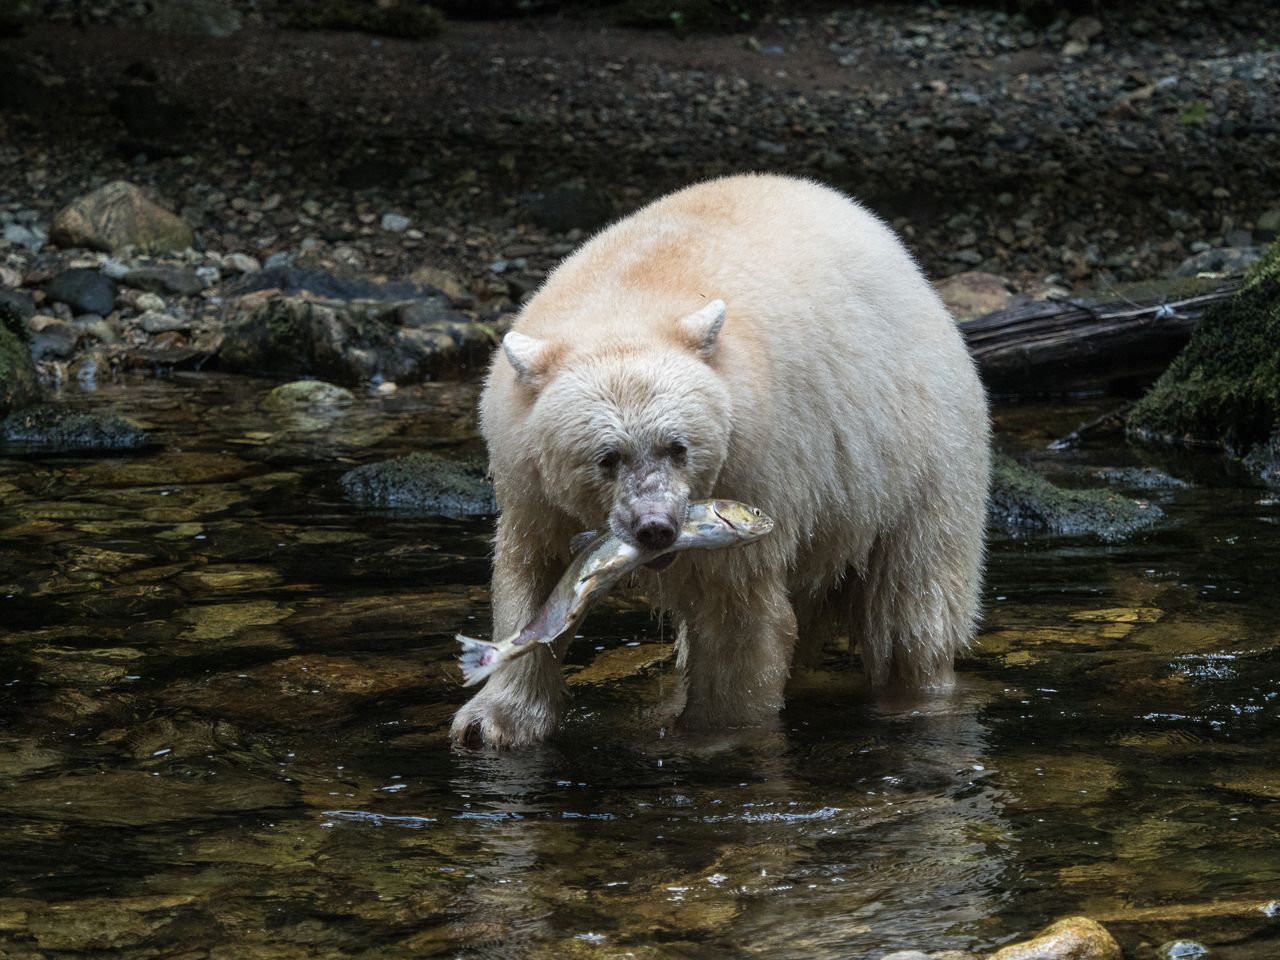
(224, 693)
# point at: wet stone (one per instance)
(423, 482)
(1023, 500)
(83, 290)
(1141, 478)
(177, 281)
(1182, 950)
(18, 385)
(58, 429)
(116, 216)
(1075, 938)
(102, 924)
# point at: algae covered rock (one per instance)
(56, 429)
(1023, 500)
(1224, 388)
(18, 384)
(347, 341)
(120, 215)
(1075, 938)
(422, 482)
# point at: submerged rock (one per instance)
(348, 341)
(1022, 499)
(1075, 938)
(194, 18)
(1141, 478)
(1224, 388)
(57, 429)
(422, 481)
(1182, 950)
(310, 396)
(119, 215)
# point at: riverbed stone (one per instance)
(1022, 500)
(422, 482)
(307, 396)
(83, 290)
(974, 293)
(177, 281)
(194, 18)
(1182, 950)
(350, 341)
(1074, 938)
(120, 215)
(58, 429)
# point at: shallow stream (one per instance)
(224, 693)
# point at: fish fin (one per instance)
(579, 541)
(478, 659)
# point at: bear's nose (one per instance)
(655, 532)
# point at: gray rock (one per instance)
(83, 290)
(349, 341)
(1022, 500)
(16, 307)
(309, 396)
(569, 207)
(395, 223)
(153, 322)
(55, 339)
(1222, 260)
(422, 482)
(29, 238)
(178, 281)
(57, 429)
(906, 955)
(1182, 950)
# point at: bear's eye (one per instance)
(677, 451)
(608, 461)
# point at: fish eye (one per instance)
(756, 511)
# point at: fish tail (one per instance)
(478, 659)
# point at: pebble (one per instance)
(395, 222)
(154, 322)
(29, 238)
(241, 263)
(149, 302)
(1182, 950)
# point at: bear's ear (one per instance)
(529, 356)
(702, 327)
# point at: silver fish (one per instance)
(600, 561)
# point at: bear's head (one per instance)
(627, 431)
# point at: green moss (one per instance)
(1224, 388)
(407, 18)
(1024, 500)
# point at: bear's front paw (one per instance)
(496, 723)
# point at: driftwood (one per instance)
(1057, 347)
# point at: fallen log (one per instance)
(1069, 347)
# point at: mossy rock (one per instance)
(18, 384)
(422, 482)
(407, 19)
(1224, 388)
(56, 429)
(1022, 500)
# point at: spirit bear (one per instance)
(765, 339)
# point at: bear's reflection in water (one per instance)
(786, 840)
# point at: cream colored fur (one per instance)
(838, 396)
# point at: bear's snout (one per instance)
(655, 531)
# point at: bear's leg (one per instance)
(521, 702)
(736, 657)
(918, 601)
